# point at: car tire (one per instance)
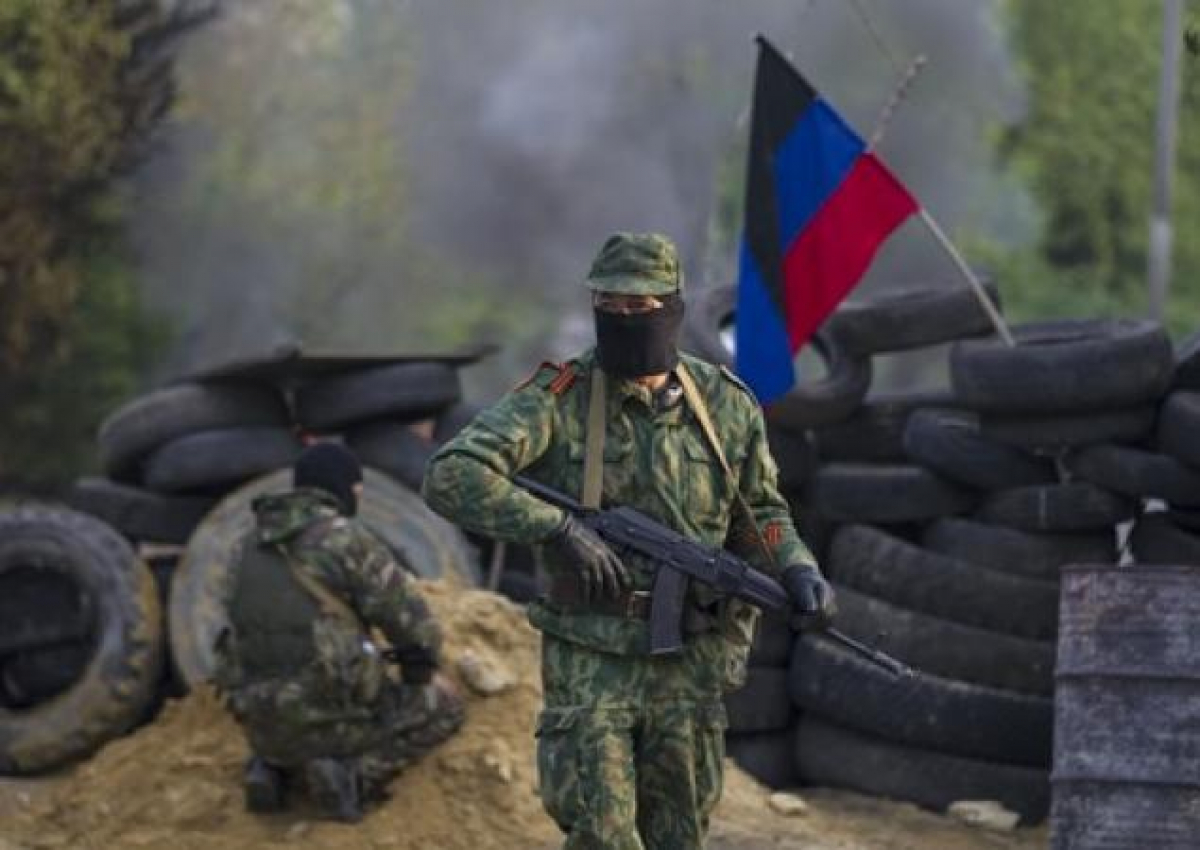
(125, 657)
(218, 461)
(156, 418)
(397, 391)
(1053, 367)
(832, 756)
(920, 710)
(891, 569)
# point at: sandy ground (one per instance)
(176, 783)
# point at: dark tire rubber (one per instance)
(767, 756)
(762, 704)
(139, 514)
(125, 656)
(847, 492)
(950, 444)
(1137, 473)
(398, 391)
(158, 417)
(795, 456)
(828, 399)
(920, 710)
(1178, 425)
(218, 461)
(40, 606)
(829, 755)
(394, 448)
(1054, 433)
(1158, 540)
(37, 675)
(431, 547)
(453, 419)
(874, 433)
(893, 570)
(809, 403)
(912, 318)
(1057, 507)
(1187, 364)
(1054, 367)
(1030, 554)
(948, 649)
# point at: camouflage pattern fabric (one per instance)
(341, 703)
(630, 749)
(636, 264)
(629, 745)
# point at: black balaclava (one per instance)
(330, 467)
(631, 345)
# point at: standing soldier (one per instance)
(298, 663)
(630, 746)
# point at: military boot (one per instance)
(263, 785)
(334, 788)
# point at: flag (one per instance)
(818, 206)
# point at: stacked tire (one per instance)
(81, 631)
(80, 637)
(943, 520)
(1165, 474)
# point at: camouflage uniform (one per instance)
(630, 746)
(322, 692)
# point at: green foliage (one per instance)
(1086, 151)
(59, 65)
(48, 427)
(78, 98)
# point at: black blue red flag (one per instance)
(818, 206)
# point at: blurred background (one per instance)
(423, 176)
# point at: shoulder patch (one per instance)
(555, 378)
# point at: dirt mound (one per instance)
(177, 782)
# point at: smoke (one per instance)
(364, 174)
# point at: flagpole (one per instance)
(965, 270)
(940, 235)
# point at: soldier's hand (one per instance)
(600, 570)
(812, 597)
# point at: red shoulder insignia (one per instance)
(554, 377)
(563, 381)
(773, 533)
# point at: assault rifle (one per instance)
(679, 559)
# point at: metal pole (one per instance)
(965, 270)
(1159, 259)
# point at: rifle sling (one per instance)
(322, 595)
(593, 452)
(593, 446)
(696, 402)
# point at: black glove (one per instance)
(417, 664)
(600, 570)
(811, 595)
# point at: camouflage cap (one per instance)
(636, 264)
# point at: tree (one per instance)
(83, 83)
(1086, 149)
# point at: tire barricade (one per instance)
(945, 517)
(83, 592)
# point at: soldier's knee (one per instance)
(586, 775)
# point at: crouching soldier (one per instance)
(298, 664)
